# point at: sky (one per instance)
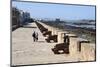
(66, 12)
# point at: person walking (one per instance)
(34, 36)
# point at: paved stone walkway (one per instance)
(25, 51)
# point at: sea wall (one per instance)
(84, 51)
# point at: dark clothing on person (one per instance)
(66, 39)
(35, 36)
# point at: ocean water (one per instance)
(88, 25)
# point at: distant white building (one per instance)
(24, 17)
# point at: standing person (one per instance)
(66, 39)
(34, 36)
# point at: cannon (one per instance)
(41, 27)
(47, 33)
(61, 47)
(43, 30)
(52, 37)
(64, 47)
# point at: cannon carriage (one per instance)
(52, 37)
